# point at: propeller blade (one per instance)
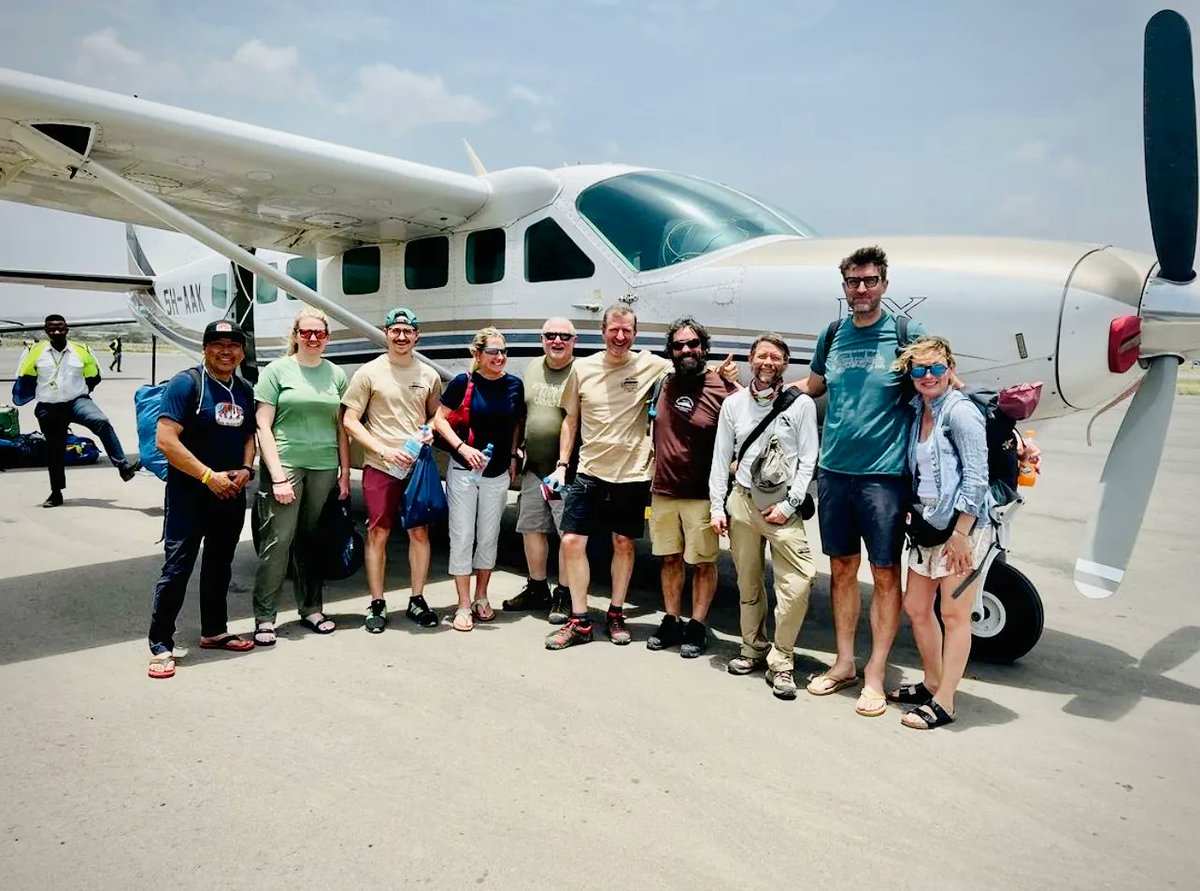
(1169, 129)
(1126, 482)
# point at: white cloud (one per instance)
(105, 61)
(522, 93)
(405, 99)
(259, 70)
(1032, 151)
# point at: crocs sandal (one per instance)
(463, 621)
(162, 666)
(230, 642)
(482, 610)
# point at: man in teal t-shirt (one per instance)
(863, 488)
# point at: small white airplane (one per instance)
(355, 233)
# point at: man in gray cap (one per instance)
(206, 433)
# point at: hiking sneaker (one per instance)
(573, 632)
(744, 664)
(376, 616)
(534, 596)
(614, 626)
(695, 639)
(782, 683)
(668, 634)
(560, 605)
(419, 612)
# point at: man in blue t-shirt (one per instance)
(863, 488)
(206, 432)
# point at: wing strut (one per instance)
(54, 153)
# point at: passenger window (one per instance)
(360, 270)
(551, 255)
(265, 291)
(220, 290)
(303, 270)
(427, 263)
(485, 256)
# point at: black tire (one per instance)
(1023, 617)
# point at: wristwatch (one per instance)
(249, 470)
(558, 464)
(795, 500)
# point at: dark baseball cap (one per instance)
(224, 329)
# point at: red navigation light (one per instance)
(1124, 343)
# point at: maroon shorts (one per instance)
(383, 494)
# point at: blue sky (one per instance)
(969, 117)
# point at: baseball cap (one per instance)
(401, 314)
(222, 329)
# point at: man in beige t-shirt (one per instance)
(605, 401)
(388, 400)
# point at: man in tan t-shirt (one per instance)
(388, 400)
(605, 401)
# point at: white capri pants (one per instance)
(475, 513)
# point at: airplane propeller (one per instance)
(1169, 125)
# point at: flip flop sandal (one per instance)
(866, 703)
(230, 642)
(824, 685)
(316, 626)
(482, 611)
(162, 666)
(264, 637)
(913, 694)
(931, 713)
(463, 621)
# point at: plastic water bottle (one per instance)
(1026, 472)
(476, 476)
(412, 446)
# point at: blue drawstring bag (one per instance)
(424, 499)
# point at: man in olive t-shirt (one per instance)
(544, 379)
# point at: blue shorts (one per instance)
(870, 509)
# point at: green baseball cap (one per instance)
(401, 314)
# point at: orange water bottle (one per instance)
(1026, 471)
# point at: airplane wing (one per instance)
(8, 326)
(258, 187)
(121, 284)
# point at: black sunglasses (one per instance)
(692, 344)
(558, 335)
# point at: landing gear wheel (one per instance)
(1012, 619)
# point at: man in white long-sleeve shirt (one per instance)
(753, 520)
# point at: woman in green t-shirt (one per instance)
(304, 453)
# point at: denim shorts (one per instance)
(863, 509)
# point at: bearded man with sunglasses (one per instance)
(862, 478)
(684, 431)
(539, 509)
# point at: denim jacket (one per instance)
(960, 458)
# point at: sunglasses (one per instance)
(310, 333)
(495, 351)
(853, 281)
(692, 344)
(557, 335)
(937, 369)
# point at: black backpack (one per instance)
(1000, 430)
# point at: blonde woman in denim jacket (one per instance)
(947, 456)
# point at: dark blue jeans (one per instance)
(55, 417)
(195, 516)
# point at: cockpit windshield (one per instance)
(655, 219)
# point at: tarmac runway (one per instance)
(434, 759)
